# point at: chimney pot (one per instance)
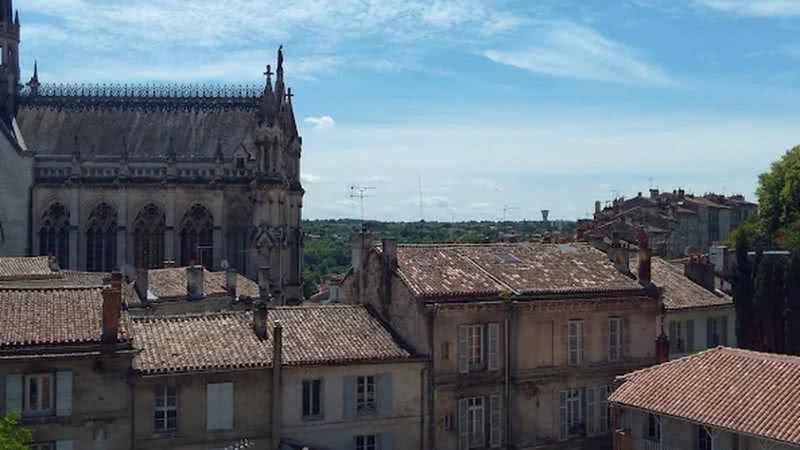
(231, 277)
(662, 348)
(263, 283)
(389, 247)
(194, 282)
(260, 319)
(142, 283)
(645, 268)
(112, 308)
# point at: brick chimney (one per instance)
(654, 193)
(263, 283)
(389, 251)
(662, 348)
(260, 318)
(194, 282)
(142, 284)
(619, 255)
(645, 268)
(112, 308)
(230, 281)
(700, 270)
(359, 251)
(277, 363)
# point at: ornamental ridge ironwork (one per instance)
(170, 97)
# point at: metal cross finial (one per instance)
(289, 94)
(269, 72)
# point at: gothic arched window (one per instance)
(54, 234)
(148, 237)
(101, 239)
(197, 241)
(239, 239)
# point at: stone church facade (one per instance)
(106, 177)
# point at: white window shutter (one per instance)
(690, 335)
(219, 406)
(63, 445)
(14, 394)
(385, 394)
(563, 416)
(63, 393)
(495, 420)
(463, 425)
(493, 351)
(463, 357)
(591, 405)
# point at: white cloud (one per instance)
(311, 178)
(755, 8)
(566, 49)
(321, 122)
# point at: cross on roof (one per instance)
(269, 72)
(289, 94)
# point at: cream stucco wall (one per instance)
(100, 401)
(334, 430)
(700, 317)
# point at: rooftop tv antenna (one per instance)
(360, 192)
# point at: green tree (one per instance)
(12, 435)
(779, 201)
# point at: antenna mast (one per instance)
(419, 185)
(360, 192)
(506, 209)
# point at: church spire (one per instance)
(34, 82)
(267, 109)
(280, 89)
(290, 125)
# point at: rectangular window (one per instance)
(39, 395)
(367, 442)
(575, 346)
(653, 431)
(166, 408)
(677, 341)
(475, 347)
(365, 395)
(614, 339)
(312, 399)
(475, 422)
(571, 414)
(43, 446)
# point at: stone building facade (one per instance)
(108, 177)
(522, 340)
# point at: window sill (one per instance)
(312, 418)
(165, 434)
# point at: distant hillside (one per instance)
(327, 242)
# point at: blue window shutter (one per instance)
(709, 332)
(349, 400)
(63, 393)
(14, 394)
(495, 421)
(463, 425)
(690, 336)
(386, 441)
(385, 394)
(723, 332)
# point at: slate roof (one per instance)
(525, 268)
(312, 335)
(149, 127)
(57, 316)
(737, 390)
(12, 266)
(171, 283)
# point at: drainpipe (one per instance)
(422, 375)
(431, 316)
(277, 344)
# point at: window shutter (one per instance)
(385, 393)
(709, 332)
(226, 406)
(349, 400)
(64, 445)
(495, 420)
(14, 394)
(602, 393)
(587, 341)
(493, 352)
(591, 405)
(463, 360)
(689, 335)
(626, 338)
(385, 441)
(673, 336)
(563, 418)
(212, 407)
(723, 324)
(63, 393)
(463, 425)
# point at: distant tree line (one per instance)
(766, 285)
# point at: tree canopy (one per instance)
(12, 435)
(778, 219)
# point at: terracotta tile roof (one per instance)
(12, 267)
(318, 334)
(171, 283)
(737, 390)
(31, 317)
(64, 278)
(459, 270)
(679, 291)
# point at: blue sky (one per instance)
(529, 104)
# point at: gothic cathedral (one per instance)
(119, 177)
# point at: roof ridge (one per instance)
(16, 287)
(188, 316)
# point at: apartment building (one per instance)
(720, 398)
(523, 340)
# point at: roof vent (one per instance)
(423, 262)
